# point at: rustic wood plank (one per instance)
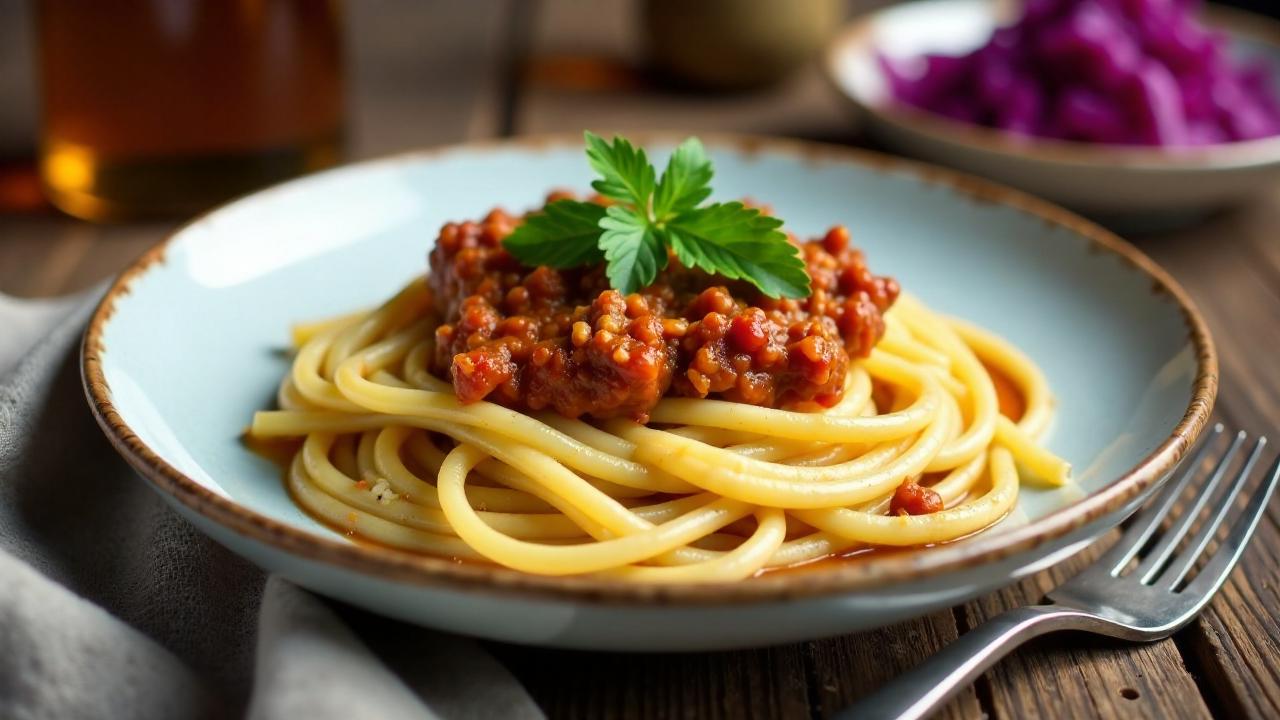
(1228, 265)
(803, 680)
(1082, 676)
(841, 670)
(748, 684)
(1236, 642)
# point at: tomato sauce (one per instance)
(537, 338)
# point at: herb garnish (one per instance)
(632, 236)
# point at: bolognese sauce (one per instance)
(562, 339)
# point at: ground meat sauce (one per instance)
(562, 339)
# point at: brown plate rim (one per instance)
(871, 573)
(1245, 154)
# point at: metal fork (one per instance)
(1149, 602)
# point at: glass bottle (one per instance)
(167, 107)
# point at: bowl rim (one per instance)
(855, 37)
(872, 573)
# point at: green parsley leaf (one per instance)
(626, 175)
(633, 250)
(739, 243)
(632, 237)
(565, 234)
(684, 184)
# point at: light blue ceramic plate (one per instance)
(189, 343)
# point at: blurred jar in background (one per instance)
(737, 44)
(167, 107)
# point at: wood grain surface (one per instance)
(429, 73)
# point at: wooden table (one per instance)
(433, 73)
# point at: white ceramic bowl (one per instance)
(1130, 187)
(187, 345)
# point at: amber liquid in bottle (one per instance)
(167, 107)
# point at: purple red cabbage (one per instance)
(1132, 72)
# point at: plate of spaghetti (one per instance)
(658, 395)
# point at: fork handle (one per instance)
(923, 689)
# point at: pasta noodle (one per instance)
(708, 490)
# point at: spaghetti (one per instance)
(706, 490)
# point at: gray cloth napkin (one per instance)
(111, 606)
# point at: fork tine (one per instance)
(1155, 561)
(1183, 564)
(1148, 521)
(1215, 572)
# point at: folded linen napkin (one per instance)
(113, 606)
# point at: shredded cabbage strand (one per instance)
(1132, 72)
